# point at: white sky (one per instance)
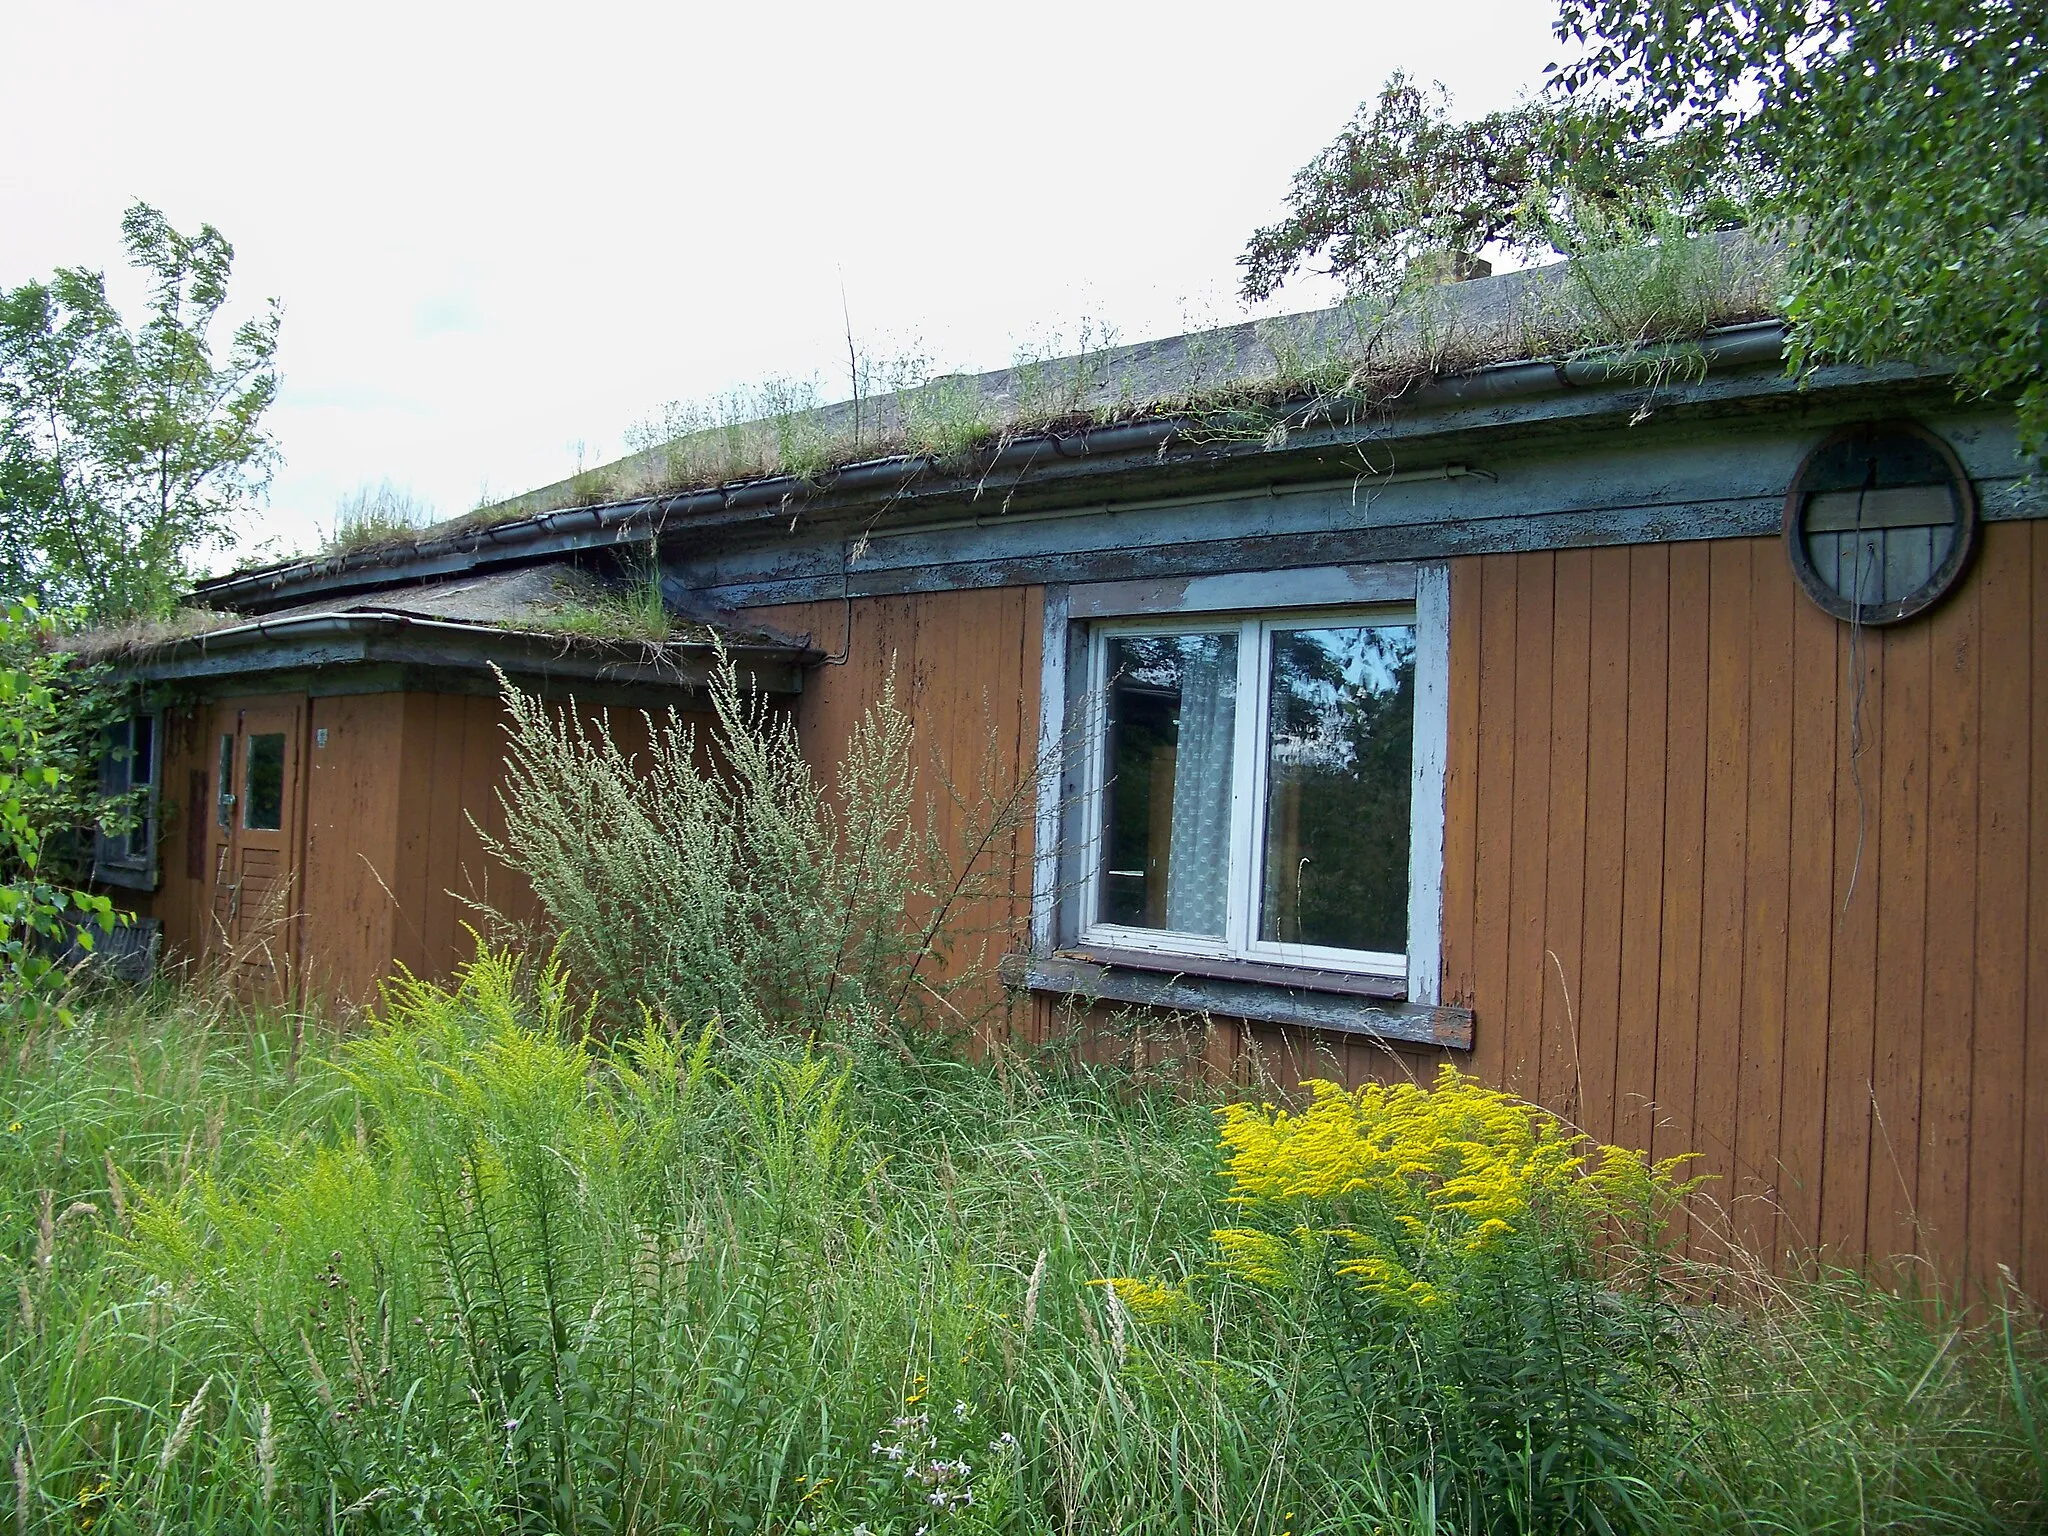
(501, 232)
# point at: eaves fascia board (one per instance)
(1090, 455)
(349, 639)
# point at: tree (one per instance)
(1406, 192)
(52, 716)
(126, 454)
(1903, 146)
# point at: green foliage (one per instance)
(1406, 195)
(124, 454)
(374, 515)
(475, 1271)
(635, 612)
(51, 719)
(729, 882)
(1444, 1243)
(1900, 144)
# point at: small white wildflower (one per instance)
(938, 1498)
(960, 1411)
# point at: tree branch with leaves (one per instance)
(127, 454)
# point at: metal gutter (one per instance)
(596, 527)
(403, 638)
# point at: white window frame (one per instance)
(1253, 606)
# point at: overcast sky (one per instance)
(504, 233)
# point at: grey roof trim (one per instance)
(1086, 453)
(348, 639)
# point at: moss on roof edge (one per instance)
(1644, 311)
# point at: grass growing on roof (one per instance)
(1641, 304)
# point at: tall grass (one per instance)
(471, 1269)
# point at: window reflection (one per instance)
(263, 790)
(1339, 753)
(1172, 733)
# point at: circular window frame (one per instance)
(1940, 582)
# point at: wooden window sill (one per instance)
(1331, 1000)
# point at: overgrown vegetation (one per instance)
(632, 609)
(1640, 293)
(1900, 141)
(52, 716)
(470, 1269)
(729, 882)
(373, 515)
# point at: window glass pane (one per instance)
(141, 774)
(1339, 754)
(142, 754)
(263, 791)
(226, 780)
(1167, 768)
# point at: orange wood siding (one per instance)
(392, 857)
(1721, 875)
(1741, 882)
(351, 843)
(966, 671)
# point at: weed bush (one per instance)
(473, 1269)
(731, 883)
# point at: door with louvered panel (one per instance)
(253, 843)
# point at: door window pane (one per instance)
(1172, 734)
(263, 790)
(1339, 754)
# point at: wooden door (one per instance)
(257, 762)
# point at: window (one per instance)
(1253, 788)
(1247, 812)
(128, 765)
(263, 787)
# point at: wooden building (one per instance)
(1666, 744)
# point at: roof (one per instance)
(519, 620)
(1257, 389)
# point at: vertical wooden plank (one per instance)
(1948, 1016)
(352, 830)
(1461, 784)
(1901, 945)
(2006, 602)
(1724, 864)
(1495, 820)
(1810, 915)
(413, 879)
(1607, 701)
(1685, 798)
(1529, 840)
(444, 835)
(1560, 1073)
(1845, 1156)
(1766, 903)
(2034, 1136)
(1643, 865)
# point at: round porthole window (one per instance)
(1880, 522)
